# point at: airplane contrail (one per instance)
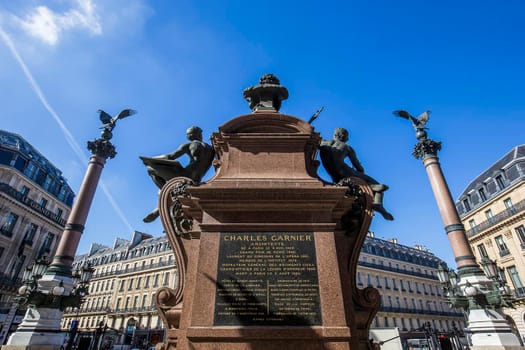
(69, 137)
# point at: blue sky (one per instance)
(181, 63)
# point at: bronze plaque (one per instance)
(267, 278)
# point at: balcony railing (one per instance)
(6, 232)
(405, 310)
(13, 193)
(507, 213)
(7, 282)
(395, 269)
(133, 269)
(519, 293)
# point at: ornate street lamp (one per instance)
(49, 288)
(470, 289)
(443, 273)
(34, 296)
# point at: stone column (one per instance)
(40, 328)
(487, 325)
(65, 254)
(427, 150)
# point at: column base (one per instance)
(490, 347)
(40, 329)
(491, 331)
(31, 347)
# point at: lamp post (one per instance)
(51, 288)
(470, 289)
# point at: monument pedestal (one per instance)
(266, 250)
(38, 331)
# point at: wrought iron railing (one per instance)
(133, 269)
(496, 219)
(13, 193)
(395, 269)
(405, 310)
(9, 282)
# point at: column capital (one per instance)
(102, 148)
(426, 148)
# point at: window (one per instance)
(42, 202)
(482, 194)
(46, 245)
(9, 224)
(466, 204)
(156, 281)
(47, 182)
(121, 289)
(520, 231)
(130, 285)
(509, 205)
(501, 274)
(482, 251)
(17, 266)
(502, 247)
(146, 282)
(139, 281)
(472, 223)
(500, 182)
(515, 277)
(489, 215)
(30, 234)
(59, 212)
(24, 191)
(166, 278)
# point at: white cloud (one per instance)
(47, 25)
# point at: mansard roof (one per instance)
(510, 169)
(18, 143)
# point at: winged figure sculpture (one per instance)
(418, 123)
(109, 123)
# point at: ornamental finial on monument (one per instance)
(267, 95)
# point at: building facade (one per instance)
(122, 290)
(128, 274)
(492, 208)
(406, 277)
(35, 201)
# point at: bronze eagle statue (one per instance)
(109, 122)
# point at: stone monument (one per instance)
(266, 250)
